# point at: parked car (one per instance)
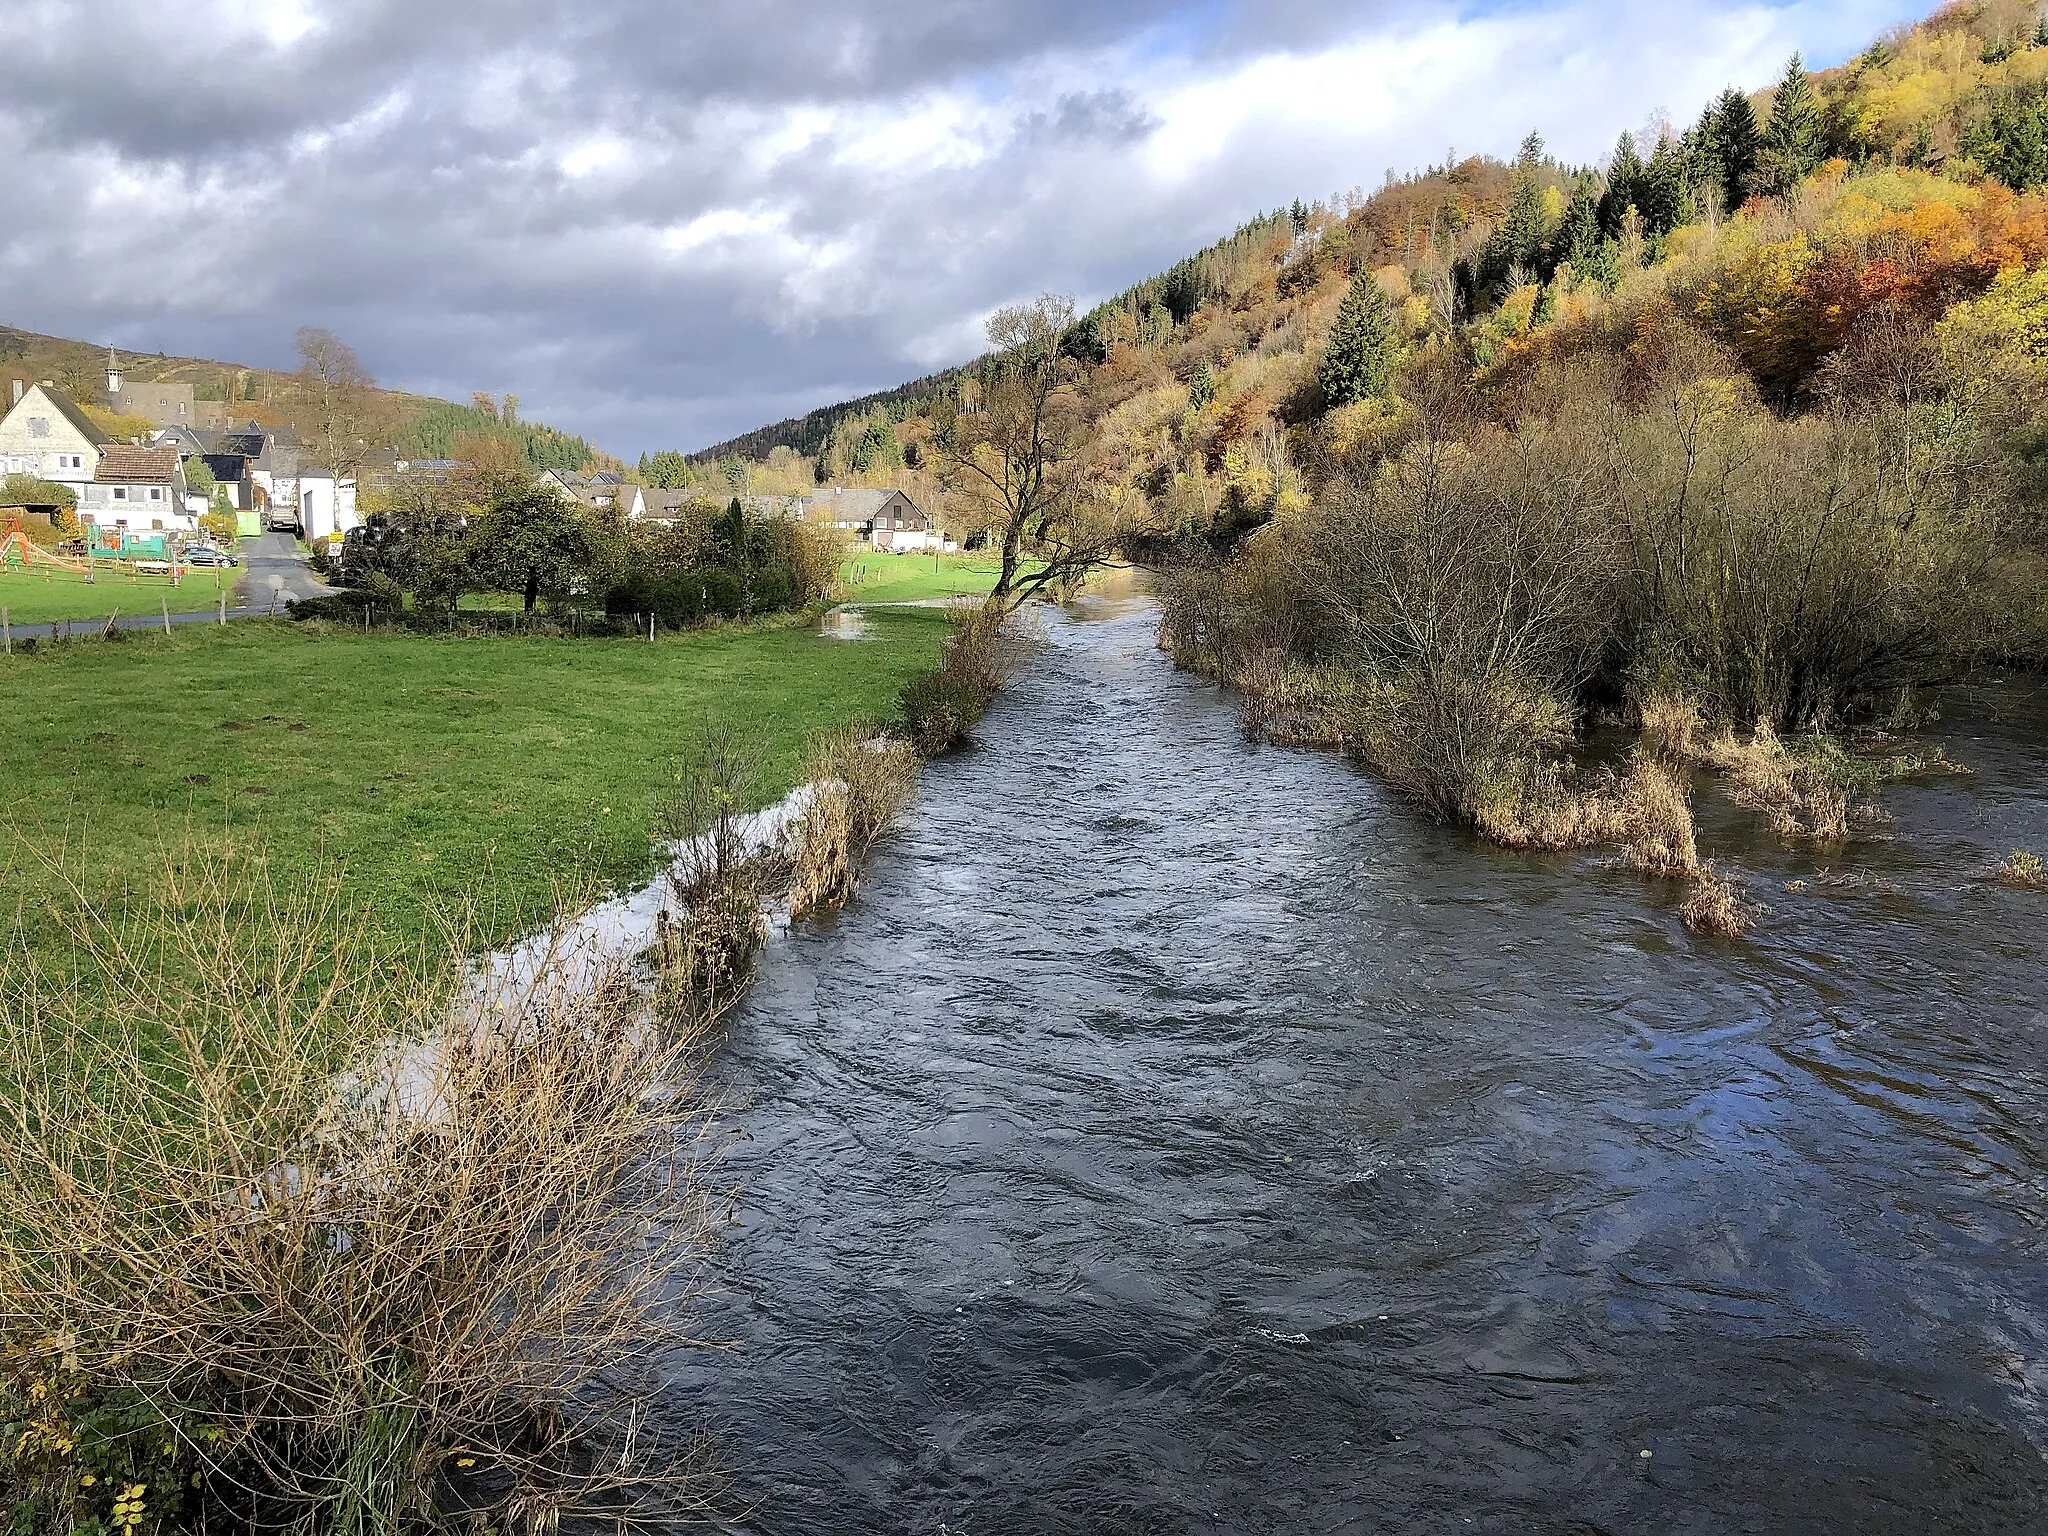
(206, 554)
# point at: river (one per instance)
(1181, 1135)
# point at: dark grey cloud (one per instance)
(662, 223)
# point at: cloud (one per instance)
(660, 225)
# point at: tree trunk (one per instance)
(532, 587)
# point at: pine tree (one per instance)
(1519, 239)
(1532, 153)
(1796, 141)
(1624, 185)
(1662, 200)
(1590, 254)
(1358, 363)
(1732, 147)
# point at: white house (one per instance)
(46, 435)
(327, 505)
(139, 489)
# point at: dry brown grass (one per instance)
(1800, 796)
(1552, 813)
(1671, 725)
(2024, 871)
(1715, 906)
(345, 1301)
(860, 781)
(1662, 839)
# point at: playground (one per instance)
(40, 586)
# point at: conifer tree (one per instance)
(1519, 240)
(1358, 363)
(1624, 185)
(1662, 199)
(1732, 146)
(1796, 141)
(1580, 244)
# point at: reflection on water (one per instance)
(844, 624)
(1177, 1135)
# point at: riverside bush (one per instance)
(941, 708)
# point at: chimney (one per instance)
(19, 389)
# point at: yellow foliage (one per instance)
(2009, 322)
(1754, 304)
(1518, 309)
(1369, 426)
(115, 425)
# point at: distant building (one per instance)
(886, 519)
(45, 434)
(140, 490)
(168, 405)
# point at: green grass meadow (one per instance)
(429, 776)
(30, 597)
(877, 577)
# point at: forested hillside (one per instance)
(1774, 223)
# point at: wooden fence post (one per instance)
(165, 600)
(7, 629)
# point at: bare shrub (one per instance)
(289, 1242)
(2024, 871)
(859, 781)
(1715, 906)
(981, 655)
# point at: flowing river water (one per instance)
(1181, 1135)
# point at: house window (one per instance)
(39, 426)
(156, 493)
(120, 493)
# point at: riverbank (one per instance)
(494, 782)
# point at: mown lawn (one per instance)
(31, 598)
(429, 775)
(874, 577)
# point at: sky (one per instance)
(664, 222)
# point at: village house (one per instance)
(327, 503)
(141, 490)
(886, 519)
(46, 435)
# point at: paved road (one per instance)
(273, 572)
(272, 563)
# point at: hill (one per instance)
(417, 426)
(1203, 381)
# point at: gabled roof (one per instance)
(64, 406)
(840, 505)
(664, 503)
(123, 463)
